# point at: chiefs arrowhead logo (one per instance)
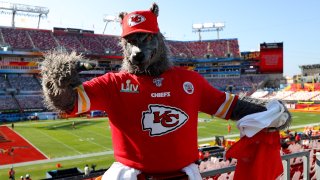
(160, 119)
(135, 19)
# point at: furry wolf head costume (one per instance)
(144, 49)
(152, 105)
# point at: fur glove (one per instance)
(60, 75)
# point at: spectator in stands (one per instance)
(93, 166)
(292, 136)
(11, 174)
(28, 177)
(285, 142)
(21, 178)
(86, 170)
(297, 138)
(310, 134)
(73, 125)
(229, 128)
(218, 141)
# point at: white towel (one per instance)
(274, 116)
(119, 171)
(192, 171)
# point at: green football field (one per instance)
(90, 142)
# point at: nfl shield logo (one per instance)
(158, 82)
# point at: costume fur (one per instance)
(145, 54)
(60, 75)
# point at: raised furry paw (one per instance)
(60, 69)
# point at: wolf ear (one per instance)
(122, 14)
(155, 9)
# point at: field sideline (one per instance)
(58, 140)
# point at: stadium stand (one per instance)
(302, 96)
(245, 82)
(16, 38)
(110, 43)
(3, 82)
(179, 49)
(278, 95)
(35, 39)
(24, 82)
(30, 101)
(204, 49)
(43, 39)
(310, 70)
(287, 95)
(69, 42)
(9, 104)
(91, 44)
(28, 39)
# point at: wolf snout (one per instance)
(139, 57)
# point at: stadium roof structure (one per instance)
(23, 10)
(109, 18)
(206, 40)
(310, 66)
(207, 27)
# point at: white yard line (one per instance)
(98, 134)
(92, 142)
(69, 147)
(57, 159)
(32, 144)
(27, 123)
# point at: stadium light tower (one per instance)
(23, 10)
(107, 19)
(197, 28)
(207, 27)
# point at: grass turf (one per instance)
(57, 138)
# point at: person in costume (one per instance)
(152, 105)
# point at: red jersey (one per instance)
(154, 120)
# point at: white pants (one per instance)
(119, 171)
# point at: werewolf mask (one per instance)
(143, 46)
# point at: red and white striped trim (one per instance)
(225, 106)
(83, 100)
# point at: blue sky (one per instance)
(296, 23)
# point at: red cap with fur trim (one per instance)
(139, 21)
